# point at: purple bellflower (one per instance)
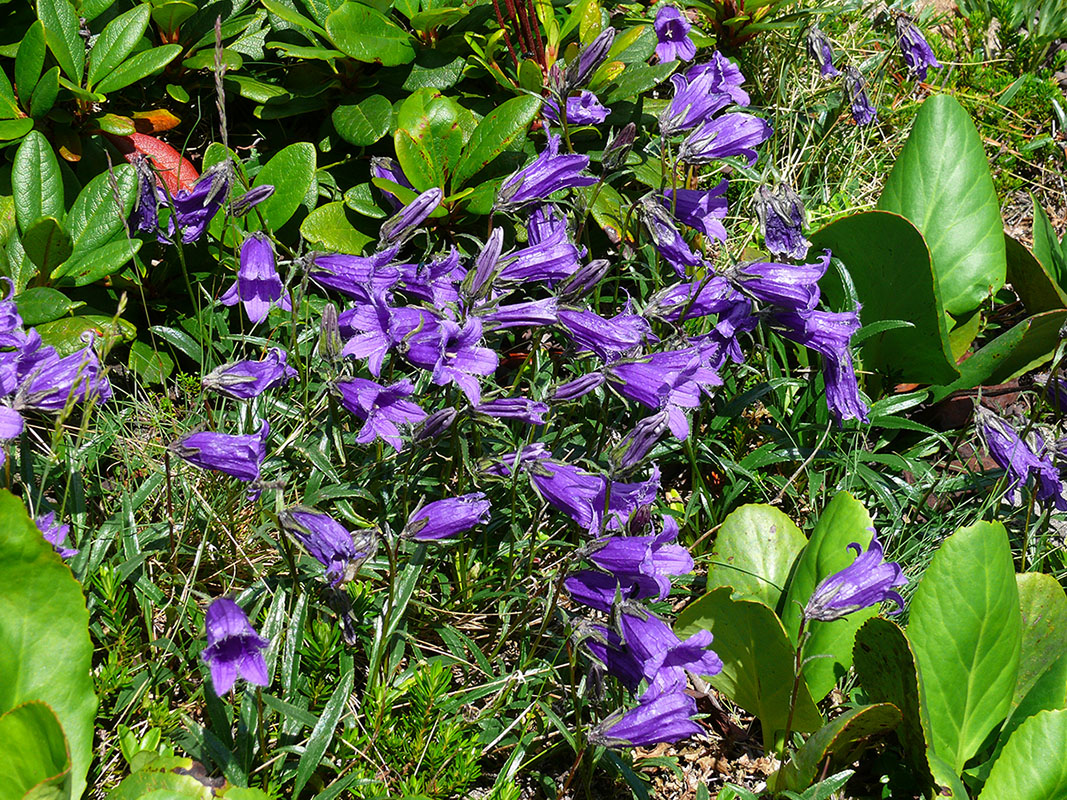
(863, 111)
(245, 379)
(550, 256)
(399, 226)
(258, 286)
(672, 380)
(588, 61)
(550, 172)
(608, 338)
(666, 237)
(233, 647)
(371, 330)
(659, 717)
(821, 51)
(363, 278)
(579, 387)
(918, 56)
(702, 210)
(726, 78)
(239, 456)
(383, 409)
(55, 534)
(252, 198)
(327, 541)
(830, 333)
(145, 215)
(692, 299)
(389, 169)
(790, 286)
(442, 519)
(11, 333)
(436, 424)
(585, 109)
(634, 558)
(519, 408)
(50, 383)
(193, 209)
(734, 134)
(1021, 460)
(672, 34)
(695, 101)
(479, 279)
(782, 220)
(867, 581)
(531, 314)
(436, 282)
(455, 356)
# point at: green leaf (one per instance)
(88, 266)
(365, 34)
(501, 128)
(1038, 290)
(757, 660)
(291, 172)
(45, 651)
(66, 335)
(9, 108)
(436, 17)
(360, 199)
(886, 669)
(150, 365)
(435, 69)
(1043, 605)
(839, 743)
(365, 122)
(844, 521)
(36, 763)
(139, 66)
(1046, 247)
(608, 211)
(890, 268)
(637, 79)
(36, 182)
(322, 734)
(97, 214)
(1026, 346)
(754, 552)
(45, 93)
(30, 61)
(428, 138)
(118, 39)
(169, 16)
(153, 785)
(43, 304)
(47, 243)
(61, 31)
(1030, 766)
(328, 227)
(205, 59)
(941, 182)
(966, 631)
(11, 129)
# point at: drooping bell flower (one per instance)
(821, 51)
(918, 56)
(240, 456)
(327, 541)
(633, 558)
(666, 237)
(866, 581)
(523, 409)
(694, 102)
(782, 220)
(588, 61)
(145, 215)
(608, 338)
(192, 210)
(734, 134)
(245, 379)
(726, 77)
(531, 314)
(383, 409)
(550, 172)
(549, 256)
(578, 388)
(672, 36)
(788, 286)
(660, 717)
(234, 649)
(585, 109)
(258, 285)
(402, 224)
(568, 489)
(50, 383)
(363, 278)
(1021, 460)
(672, 380)
(442, 519)
(618, 149)
(692, 299)
(55, 534)
(863, 111)
(371, 330)
(699, 209)
(436, 282)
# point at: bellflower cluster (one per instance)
(234, 649)
(867, 581)
(1021, 459)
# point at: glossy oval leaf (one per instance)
(139, 66)
(45, 651)
(1031, 766)
(941, 182)
(328, 227)
(11, 129)
(66, 334)
(966, 631)
(36, 183)
(365, 122)
(61, 32)
(98, 214)
(291, 172)
(88, 266)
(890, 267)
(366, 34)
(45, 93)
(118, 39)
(754, 551)
(35, 753)
(1034, 284)
(757, 660)
(43, 304)
(47, 243)
(29, 61)
(844, 521)
(1043, 605)
(499, 130)
(429, 138)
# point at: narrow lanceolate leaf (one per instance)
(35, 181)
(966, 630)
(61, 31)
(322, 734)
(139, 66)
(941, 182)
(117, 41)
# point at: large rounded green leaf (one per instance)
(501, 128)
(45, 652)
(368, 35)
(941, 182)
(365, 122)
(1044, 633)
(966, 630)
(291, 172)
(757, 659)
(1032, 766)
(35, 753)
(754, 551)
(429, 138)
(890, 267)
(844, 521)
